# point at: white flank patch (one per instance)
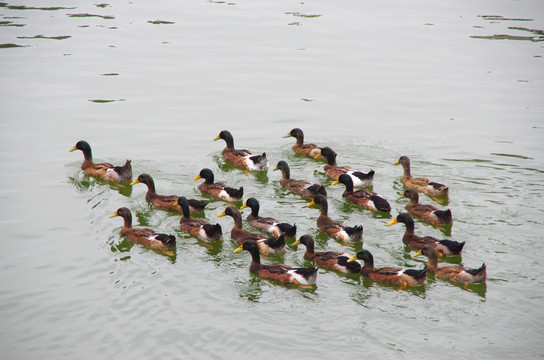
(301, 279)
(224, 195)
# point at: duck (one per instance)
(454, 273)
(302, 276)
(144, 236)
(390, 275)
(333, 228)
(199, 228)
(304, 188)
(218, 190)
(273, 245)
(363, 197)
(333, 171)
(330, 259)
(166, 202)
(105, 171)
(443, 247)
(240, 157)
(422, 185)
(267, 224)
(426, 212)
(310, 150)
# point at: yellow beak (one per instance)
(197, 177)
(312, 203)
(114, 215)
(396, 162)
(243, 206)
(353, 258)
(238, 249)
(136, 181)
(296, 242)
(336, 182)
(417, 253)
(318, 155)
(401, 197)
(73, 149)
(392, 222)
(217, 137)
(222, 214)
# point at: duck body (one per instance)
(333, 171)
(363, 197)
(199, 228)
(422, 185)
(166, 202)
(218, 190)
(240, 157)
(390, 275)
(444, 247)
(330, 259)
(454, 273)
(304, 188)
(282, 273)
(333, 228)
(144, 236)
(105, 171)
(426, 212)
(267, 224)
(310, 150)
(266, 245)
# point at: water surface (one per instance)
(456, 86)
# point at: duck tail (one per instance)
(235, 193)
(355, 232)
(455, 247)
(125, 170)
(478, 272)
(287, 229)
(279, 242)
(213, 231)
(444, 215)
(166, 239)
(197, 204)
(308, 273)
(380, 203)
(417, 274)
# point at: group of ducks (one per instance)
(258, 244)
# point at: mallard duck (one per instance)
(310, 150)
(105, 171)
(166, 202)
(304, 188)
(273, 245)
(422, 185)
(240, 157)
(443, 247)
(267, 224)
(426, 212)
(358, 178)
(218, 190)
(329, 259)
(282, 273)
(391, 275)
(144, 236)
(452, 272)
(333, 228)
(363, 197)
(198, 228)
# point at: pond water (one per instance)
(456, 86)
